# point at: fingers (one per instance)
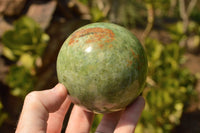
(55, 121)
(80, 121)
(44, 111)
(36, 109)
(109, 122)
(122, 121)
(130, 117)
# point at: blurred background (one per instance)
(32, 32)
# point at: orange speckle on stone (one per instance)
(110, 45)
(134, 55)
(130, 62)
(100, 45)
(96, 34)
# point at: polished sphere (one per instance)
(103, 66)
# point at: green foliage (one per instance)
(129, 12)
(195, 15)
(126, 13)
(23, 45)
(177, 33)
(26, 37)
(84, 1)
(3, 115)
(163, 7)
(168, 88)
(20, 80)
(97, 14)
(190, 39)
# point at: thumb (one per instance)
(36, 109)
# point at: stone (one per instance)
(103, 66)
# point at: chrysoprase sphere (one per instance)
(103, 66)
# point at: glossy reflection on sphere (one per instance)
(103, 66)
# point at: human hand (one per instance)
(44, 112)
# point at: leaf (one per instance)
(20, 80)
(9, 39)
(25, 23)
(172, 87)
(26, 37)
(3, 117)
(179, 28)
(27, 61)
(8, 53)
(45, 38)
(97, 14)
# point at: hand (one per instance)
(44, 112)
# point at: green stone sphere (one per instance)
(103, 66)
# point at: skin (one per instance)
(44, 111)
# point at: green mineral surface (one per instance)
(103, 66)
